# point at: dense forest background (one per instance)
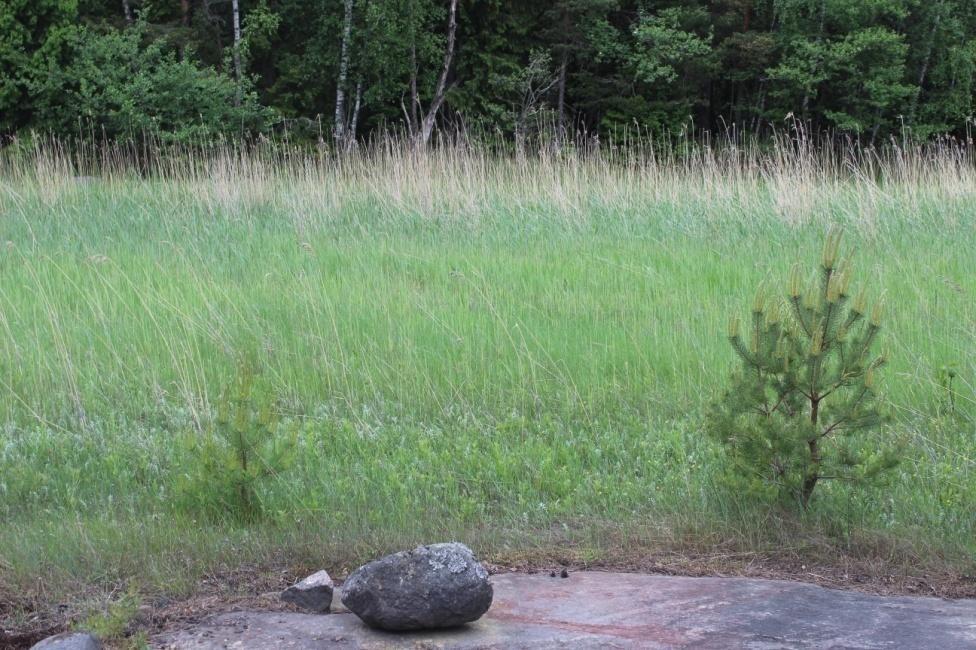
(339, 70)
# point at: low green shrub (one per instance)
(120, 86)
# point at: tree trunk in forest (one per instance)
(561, 93)
(354, 120)
(411, 115)
(567, 27)
(207, 18)
(427, 124)
(339, 124)
(760, 108)
(816, 63)
(127, 9)
(185, 24)
(926, 60)
(236, 7)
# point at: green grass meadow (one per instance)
(514, 353)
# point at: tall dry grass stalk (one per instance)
(803, 178)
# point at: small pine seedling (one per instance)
(246, 444)
(947, 398)
(805, 387)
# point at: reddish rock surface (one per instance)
(622, 610)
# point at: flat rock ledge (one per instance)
(621, 610)
(69, 641)
(430, 587)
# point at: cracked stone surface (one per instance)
(621, 610)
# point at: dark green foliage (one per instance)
(867, 70)
(805, 396)
(843, 64)
(246, 445)
(122, 88)
(25, 29)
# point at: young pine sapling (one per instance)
(806, 386)
(246, 445)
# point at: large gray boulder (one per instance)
(441, 585)
(314, 593)
(69, 641)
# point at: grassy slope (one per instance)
(516, 356)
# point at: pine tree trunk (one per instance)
(185, 24)
(876, 127)
(760, 107)
(925, 67)
(520, 133)
(561, 96)
(339, 125)
(235, 6)
(412, 117)
(810, 482)
(820, 36)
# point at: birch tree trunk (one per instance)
(127, 8)
(354, 120)
(339, 124)
(236, 7)
(427, 126)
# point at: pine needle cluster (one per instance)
(806, 387)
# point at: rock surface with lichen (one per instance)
(435, 586)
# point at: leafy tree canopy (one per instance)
(867, 69)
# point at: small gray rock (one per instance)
(436, 586)
(314, 593)
(69, 641)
